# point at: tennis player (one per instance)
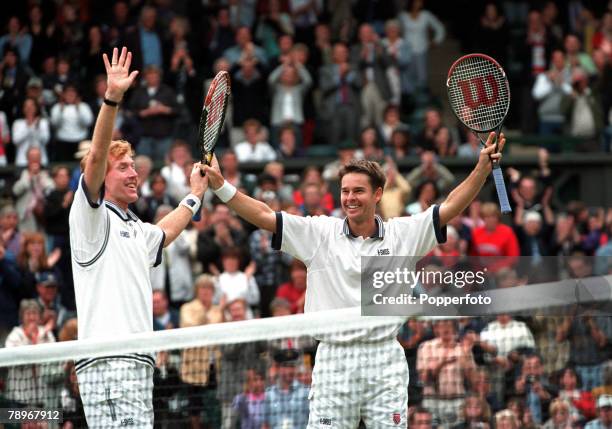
(112, 252)
(363, 374)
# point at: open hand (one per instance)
(118, 76)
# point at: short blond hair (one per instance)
(116, 150)
(490, 209)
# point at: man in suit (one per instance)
(340, 84)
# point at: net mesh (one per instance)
(259, 373)
(212, 119)
(479, 93)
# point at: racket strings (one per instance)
(214, 117)
(474, 73)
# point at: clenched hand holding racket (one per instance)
(479, 95)
(212, 118)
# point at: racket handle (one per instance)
(500, 186)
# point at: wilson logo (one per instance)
(483, 97)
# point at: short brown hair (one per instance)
(116, 150)
(371, 169)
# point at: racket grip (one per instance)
(500, 186)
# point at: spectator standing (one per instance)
(289, 84)
(244, 46)
(576, 57)
(548, 90)
(254, 149)
(71, 119)
(495, 242)
(155, 106)
(144, 41)
(340, 84)
(250, 405)
(249, 92)
(17, 37)
(173, 276)
(294, 291)
(286, 401)
(235, 284)
(56, 210)
(396, 192)
(32, 130)
(492, 34)
(506, 337)
(417, 23)
(26, 385)
(534, 387)
(53, 313)
(14, 79)
(198, 365)
(445, 366)
(371, 60)
(583, 112)
(271, 267)
(91, 51)
(10, 281)
(10, 236)
(174, 173)
(399, 56)
(5, 138)
(233, 370)
(30, 190)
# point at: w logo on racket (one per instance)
(479, 86)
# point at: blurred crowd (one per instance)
(348, 75)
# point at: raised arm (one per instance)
(461, 197)
(119, 79)
(250, 209)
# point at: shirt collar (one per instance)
(123, 215)
(379, 233)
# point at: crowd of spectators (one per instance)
(349, 74)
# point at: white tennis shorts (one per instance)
(356, 381)
(117, 393)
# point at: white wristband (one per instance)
(192, 202)
(226, 192)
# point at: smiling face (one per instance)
(122, 181)
(357, 197)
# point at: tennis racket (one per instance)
(479, 95)
(212, 118)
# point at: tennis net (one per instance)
(259, 373)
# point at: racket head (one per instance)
(213, 115)
(478, 92)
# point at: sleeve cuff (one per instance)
(92, 204)
(158, 258)
(277, 237)
(439, 231)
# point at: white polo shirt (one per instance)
(112, 252)
(332, 254)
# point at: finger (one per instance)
(133, 76)
(115, 54)
(128, 60)
(490, 139)
(106, 62)
(122, 57)
(501, 142)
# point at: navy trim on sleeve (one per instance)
(92, 204)
(277, 237)
(440, 232)
(158, 258)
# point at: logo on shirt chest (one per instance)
(384, 252)
(124, 234)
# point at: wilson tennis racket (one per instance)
(479, 95)
(212, 118)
